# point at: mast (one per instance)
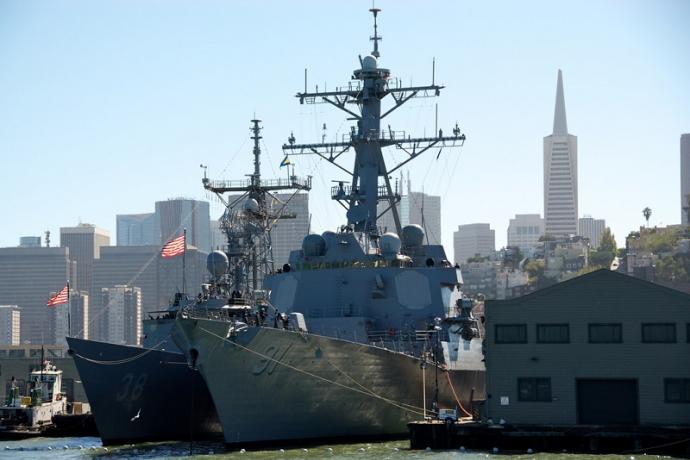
(370, 85)
(249, 217)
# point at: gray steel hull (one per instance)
(275, 385)
(156, 385)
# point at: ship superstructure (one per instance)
(149, 393)
(375, 309)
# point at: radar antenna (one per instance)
(370, 84)
(250, 214)
(376, 37)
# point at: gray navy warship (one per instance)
(379, 334)
(150, 393)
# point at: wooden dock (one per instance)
(539, 438)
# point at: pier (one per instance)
(670, 440)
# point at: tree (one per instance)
(607, 242)
(647, 213)
(603, 256)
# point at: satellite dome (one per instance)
(412, 236)
(217, 263)
(314, 245)
(390, 244)
(369, 63)
(251, 205)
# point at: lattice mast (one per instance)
(249, 218)
(369, 85)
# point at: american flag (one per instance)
(59, 298)
(173, 247)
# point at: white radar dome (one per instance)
(217, 263)
(390, 244)
(412, 236)
(369, 63)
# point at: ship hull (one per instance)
(272, 385)
(138, 394)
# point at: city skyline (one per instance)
(120, 120)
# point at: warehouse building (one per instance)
(600, 349)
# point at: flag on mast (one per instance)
(59, 298)
(285, 162)
(173, 247)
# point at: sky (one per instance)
(109, 106)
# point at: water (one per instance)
(91, 448)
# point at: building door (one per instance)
(607, 402)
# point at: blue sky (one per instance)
(108, 106)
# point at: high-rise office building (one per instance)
(218, 239)
(524, 231)
(122, 318)
(29, 241)
(84, 242)
(10, 324)
(129, 266)
(158, 279)
(560, 173)
(591, 229)
(287, 234)
(70, 319)
(138, 230)
(175, 215)
(27, 277)
(684, 177)
(473, 239)
(415, 208)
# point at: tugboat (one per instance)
(30, 415)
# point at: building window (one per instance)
(658, 333)
(677, 390)
(511, 333)
(605, 333)
(534, 389)
(553, 333)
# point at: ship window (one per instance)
(553, 333)
(534, 389)
(677, 390)
(511, 333)
(658, 333)
(687, 332)
(605, 333)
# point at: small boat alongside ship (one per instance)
(44, 410)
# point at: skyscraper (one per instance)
(473, 239)
(122, 318)
(591, 229)
(415, 208)
(27, 277)
(560, 173)
(175, 215)
(684, 176)
(287, 234)
(10, 316)
(138, 230)
(84, 242)
(524, 231)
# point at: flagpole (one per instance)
(69, 309)
(184, 257)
